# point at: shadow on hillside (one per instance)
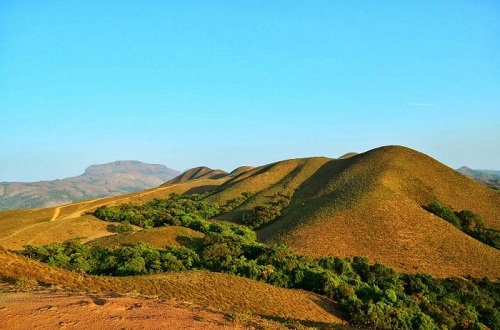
(309, 196)
(190, 242)
(238, 178)
(111, 228)
(201, 189)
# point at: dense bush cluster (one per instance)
(371, 295)
(174, 211)
(468, 222)
(177, 210)
(264, 214)
(140, 258)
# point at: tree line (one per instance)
(371, 295)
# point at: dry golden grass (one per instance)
(12, 221)
(55, 309)
(85, 227)
(240, 170)
(196, 174)
(370, 205)
(157, 237)
(266, 181)
(231, 294)
(58, 224)
(221, 292)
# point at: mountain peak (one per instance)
(100, 180)
(125, 166)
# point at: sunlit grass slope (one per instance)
(266, 181)
(368, 204)
(201, 172)
(371, 205)
(57, 224)
(226, 293)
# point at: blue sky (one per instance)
(230, 83)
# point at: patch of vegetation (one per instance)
(370, 295)
(124, 227)
(468, 222)
(235, 202)
(177, 210)
(174, 211)
(264, 214)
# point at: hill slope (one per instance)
(57, 224)
(221, 292)
(201, 172)
(110, 179)
(371, 205)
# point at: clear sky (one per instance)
(231, 83)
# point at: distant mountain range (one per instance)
(490, 178)
(109, 179)
(121, 177)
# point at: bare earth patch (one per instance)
(60, 310)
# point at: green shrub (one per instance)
(264, 214)
(444, 213)
(467, 221)
(124, 227)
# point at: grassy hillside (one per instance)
(368, 204)
(57, 224)
(197, 173)
(266, 181)
(371, 205)
(225, 293)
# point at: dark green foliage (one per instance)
(160, 212)
(264, 214)
(124, 227)
(235, 202)
(467, 221)
(444, 213)
(371, 295)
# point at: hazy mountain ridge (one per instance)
(490, 178)
(101, 180)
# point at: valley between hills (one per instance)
(301, 243)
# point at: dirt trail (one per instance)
(57, 210)
(60, 214)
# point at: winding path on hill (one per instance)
(78, 213)
(57, 210)
(62, 213)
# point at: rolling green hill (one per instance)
(372, 204)
(368, 204)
